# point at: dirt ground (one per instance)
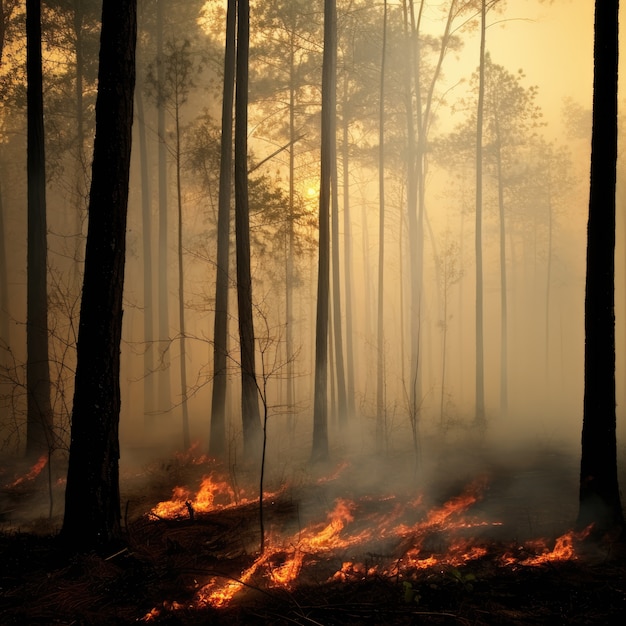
(160, 575)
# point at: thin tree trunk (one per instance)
(39, 436)
(320, 406)
(479, 417)
(249, 390)
(181, 292)
(290, 243)
(503, 291)
(380, 337)
(148, 297)
(336, 283)
(217, 441)
(347, 253)
(164, 317)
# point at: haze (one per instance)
(552, 42)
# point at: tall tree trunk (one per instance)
(479, 417)
(380, 336)
(599, 490)
(290, 238)
(504, 399)
(411, 388)
(347, 255)
(92, 497)
(320, 401)
(164, 403)
(39, 436)
(249, 390)
(79, 199)
(4, 284)
(217, 441)
(148, 298)
(336, 283)
(181, 287)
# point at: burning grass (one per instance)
(333, 554)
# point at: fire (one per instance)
(411, 537)
(32, 473)
(563, 550)
(212, 494)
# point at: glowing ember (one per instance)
(33, 472)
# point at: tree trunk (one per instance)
(599, 490)
(181, 287)
(249, 391)
(92, 499)
(148, 298)
(39, 436)
(380, 336)
(504, 394)
(217, 441)
(479, 417)
(164, 401)
(320, 401)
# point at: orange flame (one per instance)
(285, 557)
(33, 473)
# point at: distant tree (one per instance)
(599, 497)
(39, 411)
(164, 394)
(320, 406)
(92, 500)
(479, 412)
(380, 399)
(173, 83)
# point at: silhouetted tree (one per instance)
(320, 400)
(217, 440)
(599, 490)
(249, 389)
(39, 411)
(92, 499)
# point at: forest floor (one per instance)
(353, 544)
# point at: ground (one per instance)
(384, 559)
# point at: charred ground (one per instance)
(158, 576)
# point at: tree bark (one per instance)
(249, 391)
(92, 499)
(320, 401)
(217, 440)
(599, 490)
(39, 436)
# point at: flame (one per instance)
(350, 524)
(212, 494)
(33, 472)
(563, 550)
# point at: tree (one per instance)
(173, 85)
(164, 398)
(479, 414)
(320, 400)
(381, 243)
(599, 496)
(92, 499)
(249, 389)
(217, 440)
(39, 411)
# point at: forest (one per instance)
(306, 309)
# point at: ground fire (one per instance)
(392, 535)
